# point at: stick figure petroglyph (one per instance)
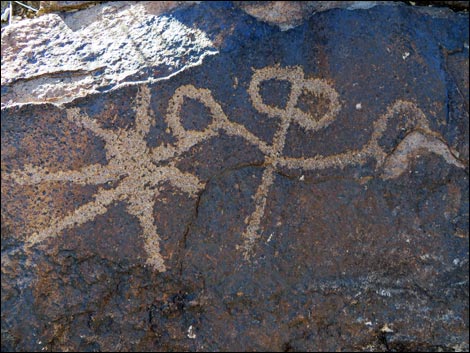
(291, 113)
(139, 170)
(420, 137)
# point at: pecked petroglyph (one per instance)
(135, 166)
(290, 113)
(128, 158)
(138, 169)
(393, 166)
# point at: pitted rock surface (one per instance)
(299, 189)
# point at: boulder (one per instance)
(61, 56)
(210, 181)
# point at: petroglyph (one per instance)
(416, 124)
(421, 138)
(138, 169)
(129, 158)
(136, 166)
(299, 85)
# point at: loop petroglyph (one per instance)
(139, 168)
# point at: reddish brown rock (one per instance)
(300, 190)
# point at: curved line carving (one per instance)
(140, 171)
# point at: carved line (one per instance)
(422, 138)
(130, 159)
(295, 76)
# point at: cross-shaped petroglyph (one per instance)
(139, 170)
(421, 137)
(290, 113)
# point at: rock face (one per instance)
(289, 14)
(292, 190)
(56, 59)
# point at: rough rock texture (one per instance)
(297, 190)
(49, 6)
(55, 58)
(289, 14)
(455, 5)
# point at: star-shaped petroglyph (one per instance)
(129, 159)
(140, 169)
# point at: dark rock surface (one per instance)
(455, 5)
(301, 190)
(289, 14)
